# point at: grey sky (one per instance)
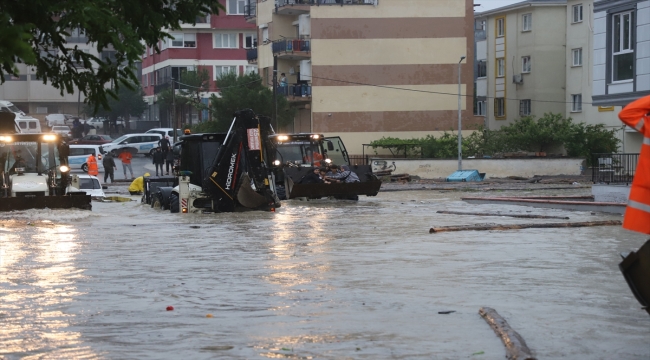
(492, 4)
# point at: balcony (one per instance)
(250, 11)
(296, 7)
(297, 93)
(251, 56)
(292, 49)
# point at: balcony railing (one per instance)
(250, 9)
(251, 55)
(291, 45)
(613, 168)
(295, 91)
(281, 3)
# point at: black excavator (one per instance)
(224, 172)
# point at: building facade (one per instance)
(367, 69)
(216, 44)
(621, 53)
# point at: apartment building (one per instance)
(365, 69)
(216, 43)
(37, 99)
(621, 57)
(520, 62)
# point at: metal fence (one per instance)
(291, 45)
(613, 168)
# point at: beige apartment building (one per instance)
(365, 69)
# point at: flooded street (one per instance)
(314, 280)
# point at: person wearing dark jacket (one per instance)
(158, 160)
(313, 177)
(109, 167)
(169, 159)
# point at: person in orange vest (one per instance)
(92, 165)
(126, 157)
(637, 213)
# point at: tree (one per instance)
(192, 85)
(34, 33)
(528, 134)
(128, 102)
(243, 92)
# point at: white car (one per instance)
(166, 132)
(62, 130)
(91, 186)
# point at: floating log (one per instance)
(499, 214)
(516, 348)
(524, 226)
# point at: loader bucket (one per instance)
(368, 186)
(636, 270)
(73, 200)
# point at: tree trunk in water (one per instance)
(508, 215)
(516, 348)
(524, 226)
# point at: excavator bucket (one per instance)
(248, 197)
(636, 270)
(73, 200)
(368, 185)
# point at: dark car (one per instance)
(93, 140)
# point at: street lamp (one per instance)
(460, 136)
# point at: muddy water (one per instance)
(317, 280)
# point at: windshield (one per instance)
(31, 156)
(119, 139)
(89, 183)
(300, 152)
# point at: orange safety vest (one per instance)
(637, 214)
(92, 165)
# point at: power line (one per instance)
(435, 92)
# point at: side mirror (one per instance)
(330, 146)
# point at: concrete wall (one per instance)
(493, 168)
(610, 193)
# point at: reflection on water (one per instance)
(38, 276)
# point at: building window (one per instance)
(501, 67)
(182, 40)
(265, 35)
(250, 41)
(525, 64)
(527, 22)
(501, 27)
(236, 7)
(576, 103)
(622, 49)
(481, 108)
(577, 57)
(576, 12)
(225, 41)
(524, 107)
(250, 69)
(500, 107)
(481, 70)
(41, 109)
(222, 70)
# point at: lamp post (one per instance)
(460, 136)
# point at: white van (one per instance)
(143, 143)
(28, 124)
(6, 106)
(79, 155)
(166, 132)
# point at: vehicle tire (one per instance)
(174, 203)
(155, 204)
(84, 167)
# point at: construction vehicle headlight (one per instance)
(283, 138)
(49, 137)
(277, 163)
(315, 136)
(329, 161)
(6, 138)
(184, 210)
(64, 169)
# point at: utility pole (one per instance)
(460, 136)
(275, 92)
(173, 117)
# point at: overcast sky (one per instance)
(492, 4)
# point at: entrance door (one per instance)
(336, 150)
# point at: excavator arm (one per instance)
(240, 177)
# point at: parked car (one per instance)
(62, 130)
(93, 140)
(57, 119)
(28, 124)
(140, 143)
(166, 132)
(79, 155)
(98, 122)
(91, 186)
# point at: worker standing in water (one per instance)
(636, 265)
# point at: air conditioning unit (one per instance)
(517, 79)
